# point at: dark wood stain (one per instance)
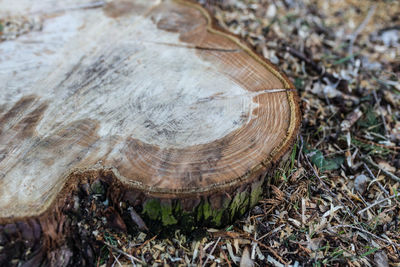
(80, 135)
(82, 132)
(181, 20)
(28, 124)
(117, 9)
(20, 106)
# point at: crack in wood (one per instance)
(217, 49)
(249, 94)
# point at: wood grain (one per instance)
(149, 90)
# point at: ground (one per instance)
(337, 202)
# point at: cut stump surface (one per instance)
(149, 92)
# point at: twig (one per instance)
(376, 166)
(366, 232)
(393, 84)
(359, 29)
(300, 152)
(145, 242)
(270, 249)
(124, 253)
(391, 148)
(226, 259)
(274, 262)
(376, 203)
(375, 179)
(116, 261)
(271, 232)
(378, 103)
(317, 68)
(211, 252)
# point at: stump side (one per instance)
(50, 235)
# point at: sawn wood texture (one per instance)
(151, 91)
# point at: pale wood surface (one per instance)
(147, 88)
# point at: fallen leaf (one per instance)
(360, 183)
(381, 259)
(245, 261)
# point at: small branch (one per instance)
(376, 166)
(376, 203)
(274, 262)
(315, 66)
(366, 232)
(360, 28)
(270, 250)
(226, 259)
(392, 149)
(116, 261)
(146, 242)
(378, 103)
(211, 252)
(375, 179)
(123, 253)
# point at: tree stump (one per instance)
(180, 118)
